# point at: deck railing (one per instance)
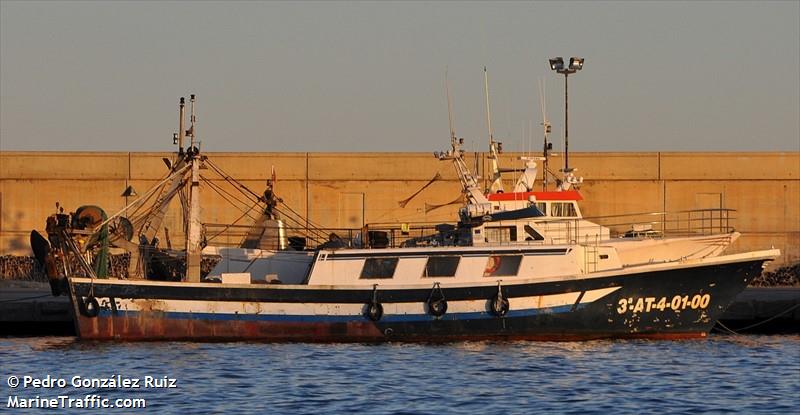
(379, 236)
(678, 223)
(557, 230)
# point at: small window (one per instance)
(562, 209)
(502, 265)
(441, 266)
(379, 268)
(542, 206)
(501, 234)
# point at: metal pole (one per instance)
(566, 122)
(193, 248)
(181, 128)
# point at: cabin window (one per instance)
(562, 209)
(542, 206)
(441, 266)
(379, 268)
(502, 265)
(501, 234)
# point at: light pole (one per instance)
(575, 65)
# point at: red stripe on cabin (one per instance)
(540, 196)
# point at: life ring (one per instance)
(374, 311)
(437, 307)
(492, 265)
(498, 305)
(88, 306)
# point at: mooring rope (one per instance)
(26, 298)
(760, 322)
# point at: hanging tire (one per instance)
(374, 311)
(498, 306)
(437, 308)
(89, 306)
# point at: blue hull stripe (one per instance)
(388, 318)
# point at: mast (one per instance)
(469, 182)
(193, 234)
(449, 106)
(494, 147)
(181, 127)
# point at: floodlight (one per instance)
(575, 63)
(557, 64)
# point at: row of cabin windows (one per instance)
(562, 209)
(558, 209)
(442, 266)
(501, 234)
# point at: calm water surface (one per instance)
(724, 374)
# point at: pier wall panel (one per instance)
(342, 190)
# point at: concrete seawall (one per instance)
(345, 190)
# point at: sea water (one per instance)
(721, 374)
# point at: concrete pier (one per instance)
(347, 190)
(28, 309)
(765, 310)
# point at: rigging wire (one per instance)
(246, 213)
(216, 188)
(313, 231)
(238, 185)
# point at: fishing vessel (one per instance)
(464, 281)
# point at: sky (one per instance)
(370, 76)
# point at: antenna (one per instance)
(545, 129)
(181, 132)
(529, 137)
(449, 106)
(488, 109)
(495, 148)
(192, 121)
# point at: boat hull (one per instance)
(659, 304)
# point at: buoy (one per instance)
(437, 307)
(499, 305)
(374, 311)
(89, 307)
